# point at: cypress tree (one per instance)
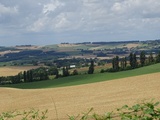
(117, 63)
(125, 62)
(142, 58)
(91, 68)
(158, 57)
(28, 76)
(151, 59)
(25, 76)
(131, 59)
(113, 63)
(134, 64)
(31, 76)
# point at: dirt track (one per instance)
(102, 96)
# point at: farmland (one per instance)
(103, 96)
(14, 70)
(104, 91)
(86, 78)
(37, 55)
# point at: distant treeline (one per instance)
(30, 54)
(121, 64)
(115, 42)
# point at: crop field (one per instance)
(102, 96)
(9, 71)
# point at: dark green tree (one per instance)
(125, 62)
(91, 68)
(28, 76)
(142, 58)
(65, 71)
(150, 58)
(117, 63)
(134, 62)
(31, 75)
(158, 57)
(131, 59)
(25, 76)
(113, 63)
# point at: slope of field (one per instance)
(102, 96)
(84, 79)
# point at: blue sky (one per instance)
(43, 22)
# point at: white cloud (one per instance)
(123, 19)
(38, 25)
(50, 7)
(8, 10)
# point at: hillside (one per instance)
(24, 55)
(87, 78)
(102, 96)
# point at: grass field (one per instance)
(84, 79)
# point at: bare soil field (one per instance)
(28, 47)
(102, 96)
(132, 45)
(9, 71)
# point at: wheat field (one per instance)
(11, 71)
(73, 100)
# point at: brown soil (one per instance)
(102, 96)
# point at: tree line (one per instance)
(120, 64)
(32, 75)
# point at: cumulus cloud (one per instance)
(82, 19)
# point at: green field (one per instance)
(84, 79)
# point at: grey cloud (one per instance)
(79, 19)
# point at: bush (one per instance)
(25, 115)
(143, 111)
(102, 71)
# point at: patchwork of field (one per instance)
(102, 96)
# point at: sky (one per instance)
(45, 22)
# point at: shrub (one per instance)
(143, 111)
(25, 115)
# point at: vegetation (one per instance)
(91, 67)
(87, 78)
(25, 115)
(142, 111)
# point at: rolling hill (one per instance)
(102, 96)
(84, 79)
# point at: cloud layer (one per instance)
(53, 21)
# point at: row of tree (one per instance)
(38, 74)
(133, 61)
(118, 64)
